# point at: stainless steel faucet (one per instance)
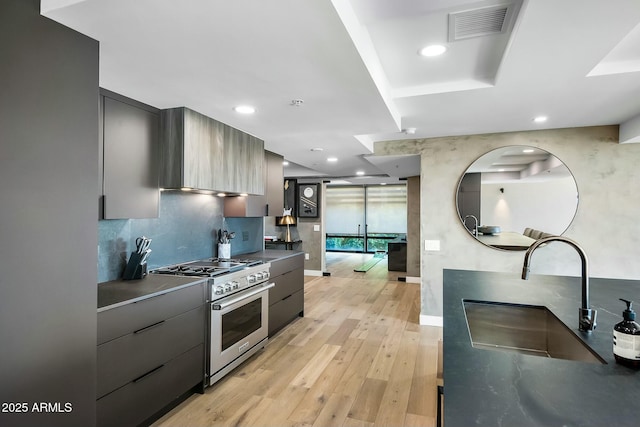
(586, 315)
(475, 227)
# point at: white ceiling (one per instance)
(355, 65)
(519, 164)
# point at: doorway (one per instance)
(365, 218)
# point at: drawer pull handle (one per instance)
(147, 299)
(287, 297)
(146, 328)
(151, 372)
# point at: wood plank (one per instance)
(316, 398)
(312, 370)
(368, 400)
(352, 422)
(396, 396)
(422, 397)
(335, 411)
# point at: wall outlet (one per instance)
(306, 256)
(432, 245)
(316, 227)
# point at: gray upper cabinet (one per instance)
(129, 142)
(202, 153)
(244, 162)
(192, 150)
(271, 203)
(274, 188)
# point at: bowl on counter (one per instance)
(489, 229)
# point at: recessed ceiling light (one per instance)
(332, 159)
(297, 102)
(540, 119)
(528, 150)
(360, 173)
(243, 194)
(222, 194)
(317, 149)
(244, 109)
(500, 170)
(432, 50)
(285, 163)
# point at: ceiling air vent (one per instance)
(479, 22)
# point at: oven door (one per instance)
(238, 323)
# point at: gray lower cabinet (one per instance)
(129, 136)
(286, 299)
(150, 352)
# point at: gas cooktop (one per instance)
(209, 267)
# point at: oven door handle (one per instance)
(241, 296)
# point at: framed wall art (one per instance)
(290, 195)
(308, 200)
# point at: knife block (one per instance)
(135, 269)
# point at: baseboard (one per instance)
(313, 273)
(431, 320)
(410, 279)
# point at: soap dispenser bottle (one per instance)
(626, 338)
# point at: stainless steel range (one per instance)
(239, 309)
(209, 267)
(239, 318)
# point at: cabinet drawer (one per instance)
(286, 284)
(125, 319)
(282, 266)
(283, 312)
(135, 402)
(130, 356)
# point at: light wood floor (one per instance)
(357, 358)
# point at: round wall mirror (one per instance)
(511, 196)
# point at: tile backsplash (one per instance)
(185, 230)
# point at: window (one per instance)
(365, 218)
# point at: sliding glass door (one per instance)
(365, 218)
(345, 219)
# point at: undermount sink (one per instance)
(526, 329)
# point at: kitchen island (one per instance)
(496, 388)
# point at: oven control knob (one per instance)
(227, 287)
(235, 285)
(219, 290)
(265, 275)
(259, 276)
(251, 278)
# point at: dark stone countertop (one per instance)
(119, 292)
(495, 388)
(268, 255)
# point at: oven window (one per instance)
(241, 322)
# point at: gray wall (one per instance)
(605, 224)
(313, 242)
(48, 211)
(413, 226)
(185, 230)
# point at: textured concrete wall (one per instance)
(605, 224)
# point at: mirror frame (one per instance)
(510, 240)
